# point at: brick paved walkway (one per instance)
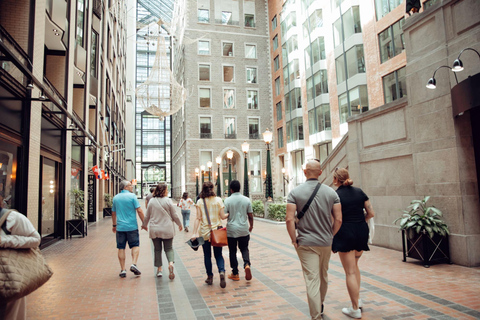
(86, 284)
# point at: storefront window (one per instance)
(8, 173)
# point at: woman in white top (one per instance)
(161, 215)
(185, 204)
(22, 236)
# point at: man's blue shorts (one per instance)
(132, 237)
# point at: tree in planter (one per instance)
(107, 210)
(78, 225)
(424, 232)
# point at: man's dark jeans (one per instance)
(243, 246)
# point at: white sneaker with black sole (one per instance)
(135, 270)
(123, 274)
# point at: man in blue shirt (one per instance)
(124, 218)
(239, 226)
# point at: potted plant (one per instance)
(77, 225)
(107, 210)
(424, 233)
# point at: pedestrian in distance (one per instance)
(316, 205)
(161, 214)
(149, 197)
(239, 226)
(202, 228)
(17, 233)
(185, 203)
(124, 218)
(352, 238)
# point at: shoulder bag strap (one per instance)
(206, 213)
(3, 220)
(307, 205)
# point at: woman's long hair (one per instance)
(343, 177)
(207, 190)
(185, 196)
(160, 191)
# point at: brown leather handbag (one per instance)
(218, 237)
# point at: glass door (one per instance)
(49, 197)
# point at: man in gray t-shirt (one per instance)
(239, 226)
(315, 233)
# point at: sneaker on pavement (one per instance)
(171, 276)
(186, 229)
(223, 284)
(135, 270)
(159, 274)
(234, 277)
(360, 304)
(356, 314)
(123, 274)
(248, 273)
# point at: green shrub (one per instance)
(277, 211)
(258, 209)
(78, 198)
(108, 200)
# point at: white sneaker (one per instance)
(360, 304)
(356, 314)
(159, 274)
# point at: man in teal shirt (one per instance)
(124, 218)
(239, 226)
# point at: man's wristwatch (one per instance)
(114, 225)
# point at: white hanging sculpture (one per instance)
(161, 95)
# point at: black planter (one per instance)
(77, 227)
(107, 212)
(420, 246)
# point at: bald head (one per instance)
(313, 169)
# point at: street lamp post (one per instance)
(229, 157)
(218, 160)
(202, 168)
(245, 147)
(267, 137)
(209, 166)
(196, 184)
(284, 179)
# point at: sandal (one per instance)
(172, 275)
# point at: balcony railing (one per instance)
(227, 23)
(204, 135)
(230, 136)
(254, 136)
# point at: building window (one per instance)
(94, 55)
(226, 17)
(205, 156)
(252, 99)
(315, 52)
(275, 43)
(205, 127)
(203, 47)
(228, 74)
(277, 86)
(253, 128)
(279, 111)
(255, 167)
(229, 98)
(251, 75)
(230, 128)
(294, 70)
(317, 84)
(394, 85)
(391, 41)
(204, 72)
(276, 63)
(293, 100)
(80, 21)
(274, 23)
(250, 51)
(280, 137)
(203, 15)
(383, 7)
(355, 63)
(298, 158)
(351, 25)
(227, 50)
(295, 129)
(319, 119)
(313, 22)
(288, 23)
(356, 102)
(204, 94)
(249, 20)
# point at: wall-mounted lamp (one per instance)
(432, 83)
(30, 86)
(458, 64)
(42, 97)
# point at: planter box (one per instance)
(77, 227)
(107, 212)
(420, 246)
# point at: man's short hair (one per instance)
(124, 184)
(235, 185)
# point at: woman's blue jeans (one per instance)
(186, 218)
(207, 258)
